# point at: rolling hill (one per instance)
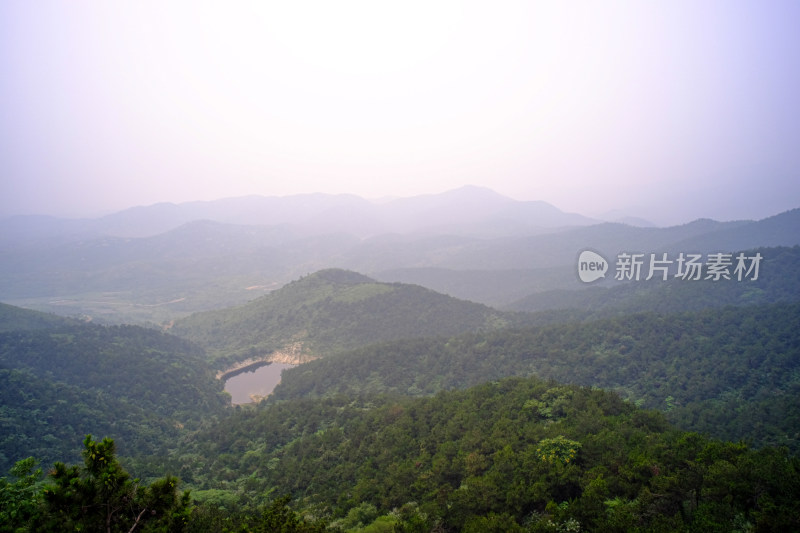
(14, 318)
(60, 380)
(514, 455)
(372, 427)
(329, 311)
(733, 373)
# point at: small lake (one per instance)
(259, 382)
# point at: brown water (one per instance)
(259, 382)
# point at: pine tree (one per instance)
(101, 496)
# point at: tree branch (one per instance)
(137, 521)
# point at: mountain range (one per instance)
(153, 264)
(408, 398)
(468, 210)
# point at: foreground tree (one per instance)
(19, 496)
(278, 517)
(101, 496)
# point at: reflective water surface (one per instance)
(259, 382)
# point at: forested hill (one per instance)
(519, 455)
(733, 372)
(14, 318)
(333, 310)
(138, 385)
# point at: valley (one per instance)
(151, 265)
(399, 267)
(451, 375)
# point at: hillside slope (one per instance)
(13, 318)
(59, 383)
(733, 372)
(330, 311)
(515, 455)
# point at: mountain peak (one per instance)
(341, 276)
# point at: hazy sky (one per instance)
(669, 110)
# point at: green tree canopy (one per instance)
(101, 496)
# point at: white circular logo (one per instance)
(591, 266)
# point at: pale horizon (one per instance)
(607, 216)
(668, 112)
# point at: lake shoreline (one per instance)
(254, 383)
(252, 367)
(291, 354)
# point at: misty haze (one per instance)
(366, 267)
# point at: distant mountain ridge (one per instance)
(778, 281)
(778, 230)
(470, 243)
(467, 209)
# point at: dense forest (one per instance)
(134, 384)
(508, 455)
(511, 455)
(14, 318)
(426, 413)
(733, 373)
